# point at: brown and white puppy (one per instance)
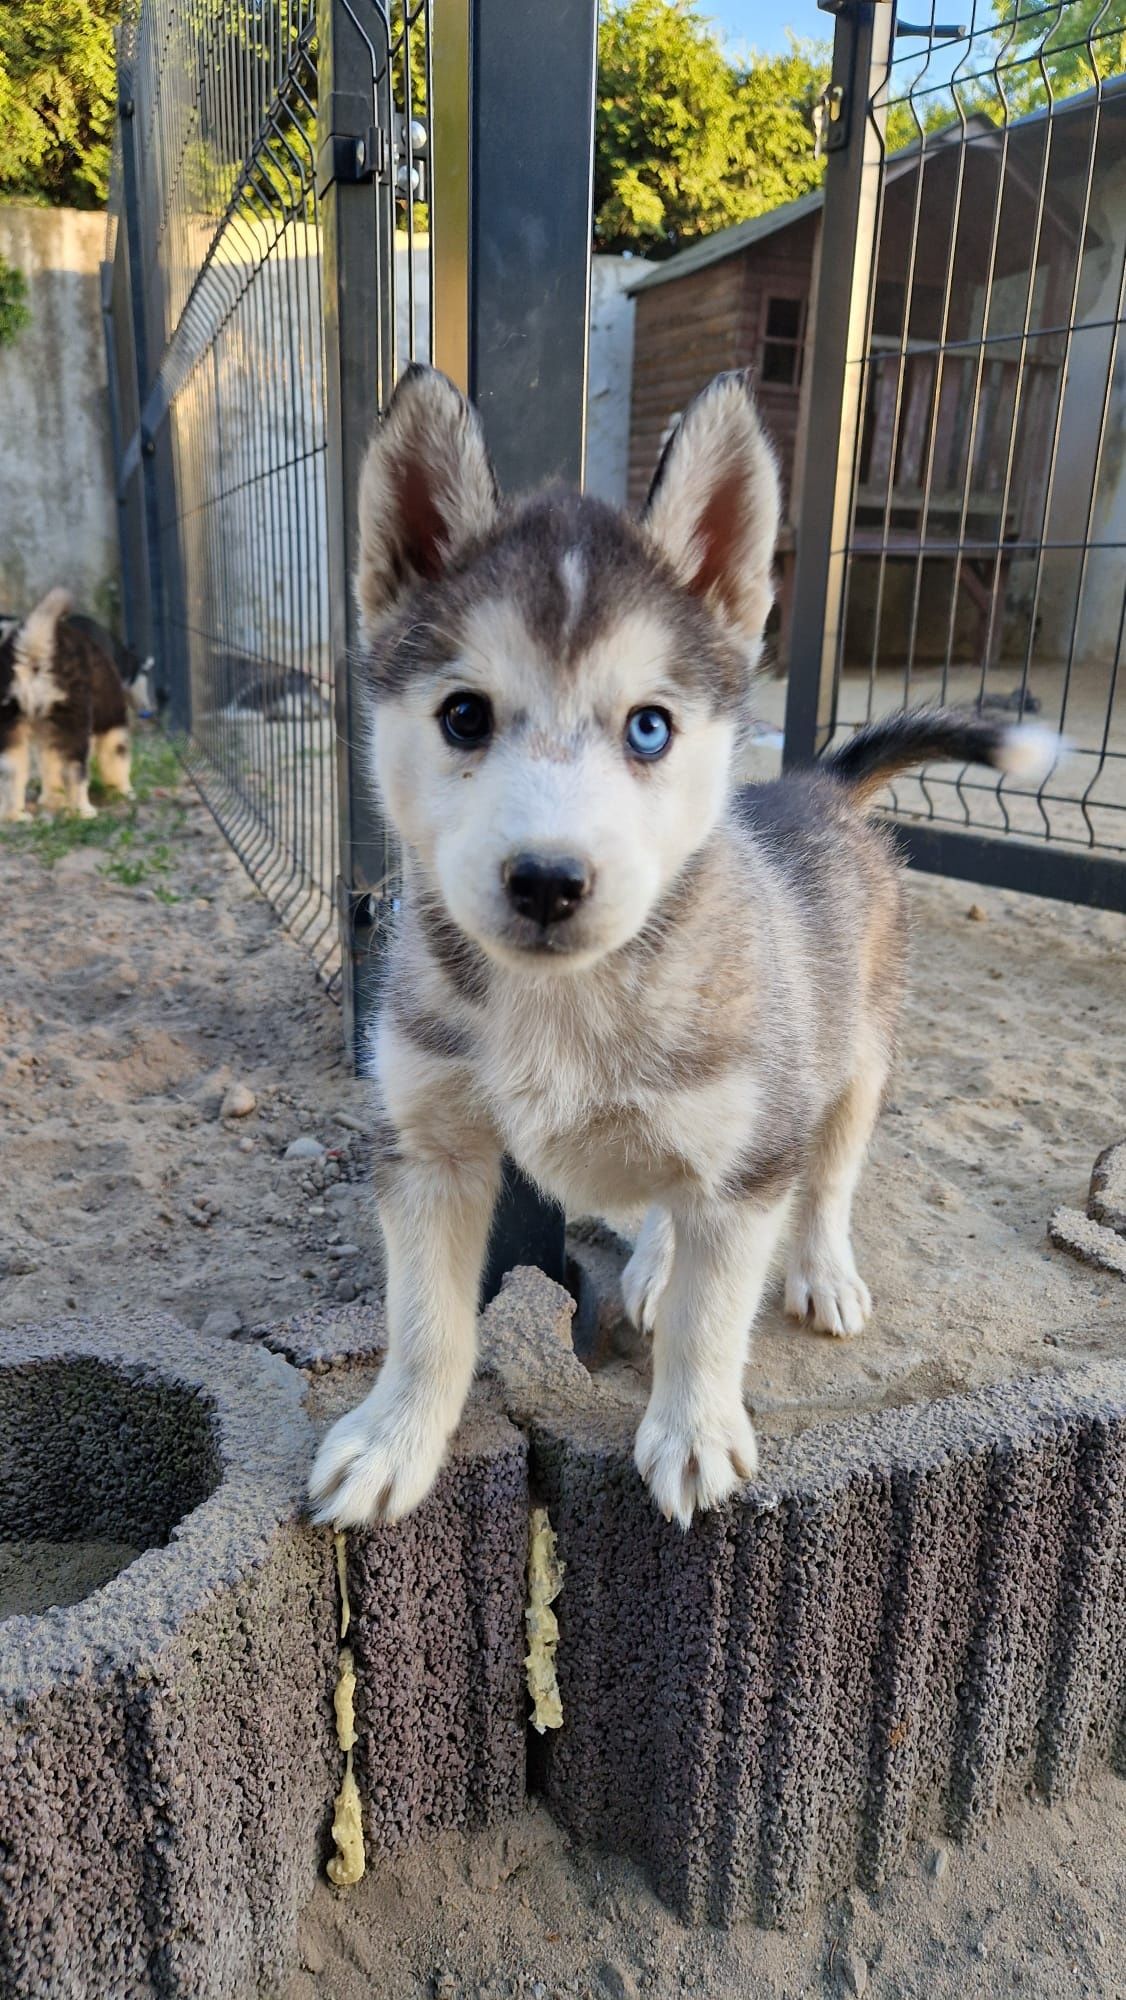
(61, 694)
(653, 989)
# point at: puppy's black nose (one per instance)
(547, 888)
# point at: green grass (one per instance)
(138, 836)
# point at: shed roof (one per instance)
(741, 235)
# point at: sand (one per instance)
(1035, 1906)
(124, 1019)
(36, 1575)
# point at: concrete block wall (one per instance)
(166, 1752)
(913, 1617)
(168, 1757)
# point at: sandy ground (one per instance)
(139, 980)
(1036, 1906)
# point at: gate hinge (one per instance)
(354, 158)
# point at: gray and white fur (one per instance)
(656, 990)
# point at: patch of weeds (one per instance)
(137, 835)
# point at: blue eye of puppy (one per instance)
(649, 732)
(467, 720)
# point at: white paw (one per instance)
(830, 1294)
(693, 1464)
(377, 1463)
(17, 819)
(84, 810)
(649, 1269)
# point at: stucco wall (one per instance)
(1095, 346)
(610, 371)
(57, 513)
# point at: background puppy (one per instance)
(61, 694)
(134, 672)
(648, 986)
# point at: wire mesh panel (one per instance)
(232, 178)
(978, 555)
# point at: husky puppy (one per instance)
(60, 693)
(649, 987)
(136, 674)
(255, 690)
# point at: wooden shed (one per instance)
(739, 299)
(944, 464)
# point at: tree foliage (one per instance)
(56, 99)
(687, 141)
(14, 310)
(1053, 48)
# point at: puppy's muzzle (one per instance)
(545, 888)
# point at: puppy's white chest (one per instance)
(37, 693)
(574, 1117)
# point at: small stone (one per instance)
(976, 914)
(346, 1291)
(1071, 1230)
(852, 1972)
(616, 1981)
(937, 1860)
(443, 1985)
(223, 1323)
(246, 1145)
(343, 1249)
(239, 1102)
(305, 1148)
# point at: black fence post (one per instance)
(356, 202)
(512, 153)
(852, 136)
(139, 452)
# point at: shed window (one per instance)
(783, 337)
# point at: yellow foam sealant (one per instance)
(545, 1581)
(347, 1864)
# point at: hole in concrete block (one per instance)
(97, 1464)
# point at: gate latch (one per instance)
(830, 131)
(353, 158)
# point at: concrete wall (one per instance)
(57, 515)
(609, 376)
(1096, 344)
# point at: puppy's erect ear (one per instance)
(713, 506)
(426, 490)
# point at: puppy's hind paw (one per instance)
(377, 1464)
(692, 1466)
(648, 1270)
(833, 1299)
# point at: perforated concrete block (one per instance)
(910, 1618)
(166, 1751)
(437, 1605)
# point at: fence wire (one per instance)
(985, 557)
(227, 287)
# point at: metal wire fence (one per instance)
(223, 189)
(308, 194)
(970, 545)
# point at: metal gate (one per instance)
(306, 195)
(963, 522)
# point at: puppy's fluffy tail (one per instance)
(923, 735)
(37, 633)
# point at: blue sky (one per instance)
(762, 24)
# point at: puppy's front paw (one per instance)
(377, 1464)
(830, 1294)
(694, 1463)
